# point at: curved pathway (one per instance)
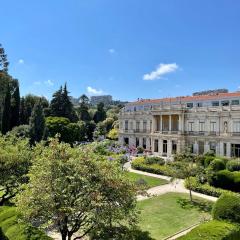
(176, 186)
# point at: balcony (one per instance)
(235, 133)
(141, 131)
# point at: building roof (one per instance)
(217, 96)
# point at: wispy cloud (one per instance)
(160, 71)
(21, 61)
(49, 82)
(93, 91)
(111, 50)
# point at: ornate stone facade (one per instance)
(166, 126)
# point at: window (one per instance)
(235, 102)
(200, 147)
(225, 103)
(150, 125)
(164, 147)
(201, 126)
(215, 103)
(189, 105)
(144, 126)
(155, 145)
(236, 126)
(126, 124)
(144, 143)
(199, 104)
(213, 147)
(137, 142)
(137, 126)
(224, 149)
(213, 126)
(174, 147)
(190, 126)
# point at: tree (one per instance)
(6, 112)
(3, 60)
(113, 134)
(15, 104)
(83, 108)
(75, 191)
(100, 114)
(15, 159)
(61, 105)
(37, 123)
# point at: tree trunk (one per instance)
(190, 194)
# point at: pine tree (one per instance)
(56, 105)
(15, 105)
(6, 112)
(37, 123)
(100, 114)
(3, 60)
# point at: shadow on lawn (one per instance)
(200, 205)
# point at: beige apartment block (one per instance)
(203, 123)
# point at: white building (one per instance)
(169, 125)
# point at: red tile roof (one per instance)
(188, 98)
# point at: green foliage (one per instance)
(213, 230)
(139, 164)
(3, 60)
(113, 134)
(83, 108)
(73, 188)
(12, 229)
(204, 188)
(21, 131)
(233, 165)
(140, 149)
(15, 104)
(37, 123)
(227, 208)
(15, 159)
(154, 160)
(6, 112)
(100, 114)
(226, 180)
(217, 165)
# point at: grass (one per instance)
(167, 214)
(12, 229)
(149, 181)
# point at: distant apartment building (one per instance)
(106, 99)
(203, 122)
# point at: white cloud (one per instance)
(49, 82)
(161, 70)
(21, 61)
(112, 50)
(93, 91)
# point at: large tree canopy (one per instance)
(76, 192)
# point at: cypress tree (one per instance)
(15, 105)
(37, 123)
(56, 104)
(83, 108)
(6, 112)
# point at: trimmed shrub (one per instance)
(233, 165)
(205, 188)
(213, 230)
(139, 164)
(226, 180)
(154, 160)
(227, 208)
(217, 165)
(208, 160)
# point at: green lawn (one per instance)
(150, 181)
(169, 213)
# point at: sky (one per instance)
(127, 48)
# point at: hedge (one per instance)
(205, 188)
(139, 164)
(227, 180)
(227, 208)
(13, 230)
(217, 165)
(214, 230)
(233, 165)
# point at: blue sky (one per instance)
(126, 48)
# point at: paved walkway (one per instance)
(175, 186)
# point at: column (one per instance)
(179, 123)
(148, 143)
(170, 123)
(179, 146)
(217, 148)
(160, 123)
(154, 123)
(195, 147)
(140, 142)
(228, 150)
(169, 148)
(160, 146)
(221, 149)
(182, 121)
(206, 147)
